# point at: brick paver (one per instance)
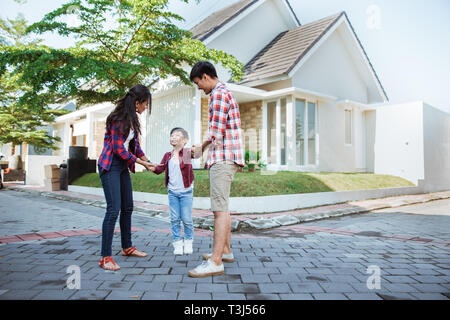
(326, 259)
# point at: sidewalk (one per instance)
(204, 219)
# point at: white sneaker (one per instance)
(178, 247)
(206, 269)
(188, 246)
(225, 257)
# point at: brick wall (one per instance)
(99, 135)
(251, 123)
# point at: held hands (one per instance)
(152, 166)
(197, 150)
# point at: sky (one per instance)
(407, 41)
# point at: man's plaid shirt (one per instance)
(113, 145)
(224, 127)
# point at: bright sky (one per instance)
(406, 40)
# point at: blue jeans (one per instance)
(181, 211)
(119, 197)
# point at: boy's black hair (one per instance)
(183, 132)
(201, 68)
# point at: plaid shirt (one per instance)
(113, 145)
(224, 127)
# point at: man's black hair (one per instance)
(201, 68)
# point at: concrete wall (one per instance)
(34, 166)
(399, 141)
(331, 70)
(270, 203)
(436, 124)
(334, 154)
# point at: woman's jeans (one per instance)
(181, 211)
(119, 197)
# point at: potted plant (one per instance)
(251, 166)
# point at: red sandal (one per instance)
(106, 260)
(133, 252)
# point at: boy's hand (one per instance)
(152, 166)
(197, 150)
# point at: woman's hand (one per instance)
(152, 166)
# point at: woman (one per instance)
(120, 153)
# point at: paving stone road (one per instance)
(326, 259)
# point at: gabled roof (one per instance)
(220, 18)
(283, 53)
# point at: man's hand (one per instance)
(197, 150)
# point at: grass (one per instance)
(249, 184)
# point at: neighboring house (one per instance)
(310, 99)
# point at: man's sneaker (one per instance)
(206, 269)
(178, 247)
(225, 257)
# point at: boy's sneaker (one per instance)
(178, 247)
(206, 269)
(188, 246)
(225, 257)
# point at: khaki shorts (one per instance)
(221, 174)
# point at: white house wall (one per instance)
(250, 34)
(330, 69)
(399, 141)
(436, 149)
(334, 154)
(173, 110)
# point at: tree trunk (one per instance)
(13, 149)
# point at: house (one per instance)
(304, 92)
(309, 100)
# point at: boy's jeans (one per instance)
(119, 198)
(181, 211)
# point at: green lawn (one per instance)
(248, 184)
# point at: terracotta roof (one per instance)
(284, 52)
(218, 19)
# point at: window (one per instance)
(348, 126)
(272, 132)
(283, 145)
(305, 132)
(311, 133)
(300, 131)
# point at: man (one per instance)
(225, 155)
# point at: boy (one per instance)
(180, 183)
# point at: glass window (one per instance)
(283, 131)
(311, 133)
(299, 131)
(272, 132)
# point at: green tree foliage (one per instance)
(20, 123)
(118, 44)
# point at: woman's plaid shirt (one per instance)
(113, 145)
(224, 127)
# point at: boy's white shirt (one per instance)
(176, 177)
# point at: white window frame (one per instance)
(290, 123)
(306, 166)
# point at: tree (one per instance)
(119, 43)
(20, 123)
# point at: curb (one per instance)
(259, 223)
